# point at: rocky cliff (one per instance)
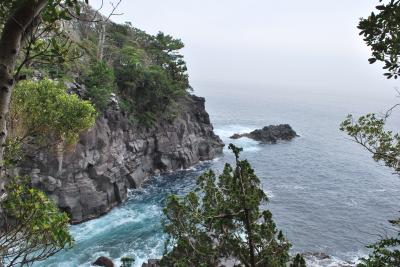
(114, 156)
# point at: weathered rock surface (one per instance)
(270, 134)
(151, 263)
(103, 261)
(114, 156)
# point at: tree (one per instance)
(298, 261)
(221, 221)
(46, 111)
(100, 84)
(32, 227)
(381, 33)
(146, 84)
(20, 19)
(32, 30)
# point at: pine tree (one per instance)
(221, 221)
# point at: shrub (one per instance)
(100, 84)
(45, 109)
(32, 227)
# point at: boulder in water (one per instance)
(269, 134)
(152, 263)
(104, 261)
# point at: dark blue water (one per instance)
(325, 191)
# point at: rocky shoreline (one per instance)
(93, 177)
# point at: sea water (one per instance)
(325, 191)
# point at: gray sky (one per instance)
(303, 45)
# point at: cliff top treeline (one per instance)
(146, 72)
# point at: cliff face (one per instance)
(114, 156)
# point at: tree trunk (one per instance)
(247, 221)
(10, 43)
(102, 39)
(60, 156)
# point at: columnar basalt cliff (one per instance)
(115, 155)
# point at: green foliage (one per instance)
(298, 261)
(382, 35)
(32, 226)
(150, 89)
(385, 252)
(44, 109)
(47, 42)
(222, 220)
(165, 50)
(100, 84)
(13, 153)
(369, 131)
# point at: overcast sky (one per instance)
(307, 44)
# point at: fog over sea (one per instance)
(325, 191)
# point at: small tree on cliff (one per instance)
(381, 33)
(222, 221)
(32, 31)
(29, 26)
(45, 110)
(31, 226)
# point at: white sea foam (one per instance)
(114, 219)
(247, 144)
(269, 193)
(332, 261)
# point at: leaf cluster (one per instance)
(44, 108)
(151, 79)
(32, 227)
(381, 32)
(100, 83)
(385, 252)
(369, 132)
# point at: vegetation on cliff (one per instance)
(44, 46)
(44, 109)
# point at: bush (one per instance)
(44, 109)
(100, 84)
(32, 227)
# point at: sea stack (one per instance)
(269, 134)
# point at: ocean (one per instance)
(325, 191)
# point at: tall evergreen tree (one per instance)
(222, 222)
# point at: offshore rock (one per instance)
(151, 263)
(104, 261)
(113, 156)
(269, 134)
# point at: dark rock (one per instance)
(270, 134)
(317, 255)
(115, 155)
(103, 261)
(151, 263)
